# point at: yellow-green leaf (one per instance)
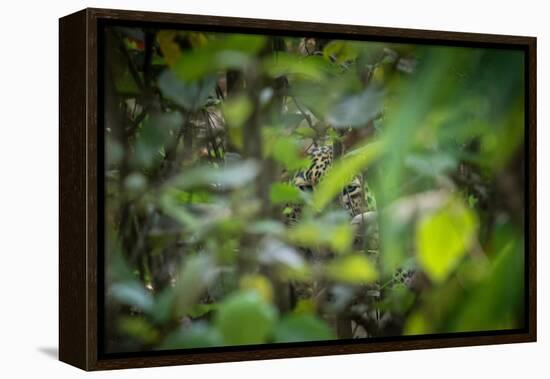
(343, 171)
(282, 193)
(236, 111)
(444, 237)
(170, 49)
(353, 269)
(258, 283)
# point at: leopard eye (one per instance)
(305, 187)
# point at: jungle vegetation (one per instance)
(211, 242)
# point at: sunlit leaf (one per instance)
(341, 51)
(282, 193)
(417, 324)
(444, 237)
(353, 269)
(170, 49)
(258, 283)
(286, 151)
(237, 110)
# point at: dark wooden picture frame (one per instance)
(80, 196)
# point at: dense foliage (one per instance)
(206, 135)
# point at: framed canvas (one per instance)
(238, 189)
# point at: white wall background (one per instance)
(29, 206)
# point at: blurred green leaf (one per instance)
(258, 283)
(236, 111)
(431, 165)
(497, 301)
(444, 237)
(282, 193)
(302, 327)
(356, 110)
(195, 274)
(197, 335)
(341, 51)
(284, 64)
(331, 231)
(228, 52)
(190, 95)
(230, 176)
(155, 134)
(244, 318)
(353, 269)
(285, 150)
(134, 294)
(139, 328)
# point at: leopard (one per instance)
(351, 197)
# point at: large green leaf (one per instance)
(301, 328)
(444, 237)
(286, 151)
(244, 318)
(282, 193)
(356, 110)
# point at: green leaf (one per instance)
(302, 327)
(189, 95)
(139, 328)
(495, 300)
(284, 64)
(341, 238)
(133, 294)
(244, 318)
(431, 165)
(282, 193)
(232, 52)
(356, 110)
(155, 134)
(353, 269)
(285, 150)
(444, 237)
(231, 176)
(196, 273)
(343, 171)
(237, 110)
(197, 335)
(341, 51)
(332, 230)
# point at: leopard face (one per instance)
(352, 197)
(321, 157)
